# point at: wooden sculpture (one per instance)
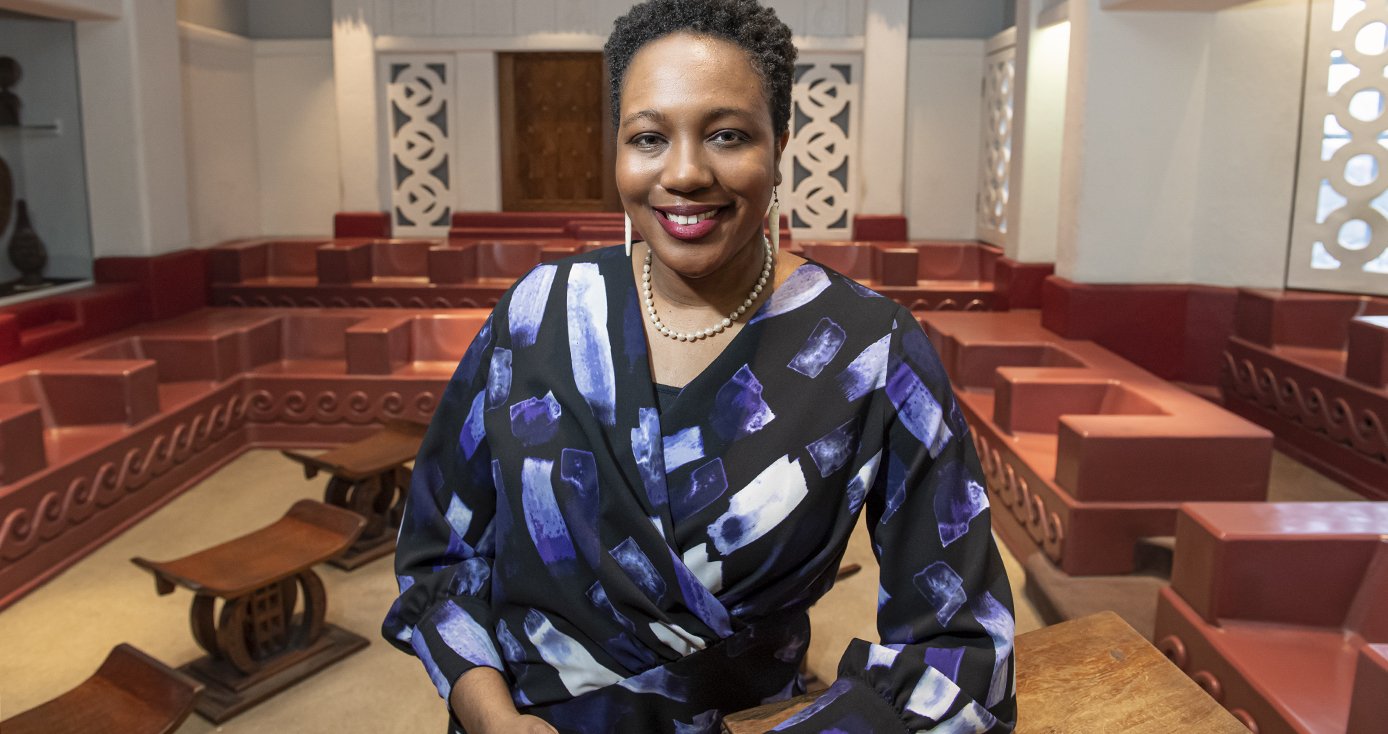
(258, 646)
(369, 478)
(131, 693)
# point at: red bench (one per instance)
(1280, 612)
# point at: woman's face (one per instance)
(696, 154)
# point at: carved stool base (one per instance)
(229, 692)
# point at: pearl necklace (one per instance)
(716, 328)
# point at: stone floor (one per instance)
(56, 637)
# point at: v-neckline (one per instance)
(709, 368)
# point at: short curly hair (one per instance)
(753, 28)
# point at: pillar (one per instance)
(354, 64)
(885, 58)
(132, 110)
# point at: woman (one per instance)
(647, 467)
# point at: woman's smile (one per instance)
(689, 221)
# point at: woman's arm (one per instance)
(945, 660)
(446, 548)
(483, 705)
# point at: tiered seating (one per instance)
(1311, 368)
(1280, 612)
(486, 251)
(31, 328)
(923, 276)
(1085, 453)
(96, 435)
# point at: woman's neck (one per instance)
(722, 290)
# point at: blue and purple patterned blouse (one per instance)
(630, 567)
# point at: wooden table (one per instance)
(1094, 675)
(370, 478)
(257, 645)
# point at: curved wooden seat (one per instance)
(131, 693)
(369, 478)
(309, 534)
(258, 645)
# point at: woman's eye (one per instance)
(646, 141)
(727, 137)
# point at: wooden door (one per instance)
(557, 149)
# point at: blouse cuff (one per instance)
(451, 640)
(850, 705)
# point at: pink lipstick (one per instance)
(688, 222)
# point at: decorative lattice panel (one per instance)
(1340, 226)
(419, 112)
(999, 75)
(819, 163)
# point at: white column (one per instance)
(1038, 132)
(945, 114)
(354, 64)
(882, 175)
(132, 110)
(1180, 144)
(479, 189)
(1135, 111)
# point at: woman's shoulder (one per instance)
(848, 296)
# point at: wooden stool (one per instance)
(257, 646)
(369, 478)
(131, 693)
(1094, 675)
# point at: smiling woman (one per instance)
(649, 463)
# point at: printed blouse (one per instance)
(629, 568)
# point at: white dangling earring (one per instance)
(775, 216)
(628, 218)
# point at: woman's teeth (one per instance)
(677, 219)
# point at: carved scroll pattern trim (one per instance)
(59, 510)
(1331, 415)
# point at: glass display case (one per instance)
(45, 230)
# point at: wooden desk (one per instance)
(258, 645)
(1094, 675)
(369, 478)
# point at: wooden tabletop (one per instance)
(396, 444)
(1091, 676)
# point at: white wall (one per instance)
(944, 113)
(67, 9)
(219, 112)
(132, 112)
(1038, 136)
(882, 175)
(500, 18)
(294, 19)
(1180, 144)
(980, 19)
(48, 166)
(296, 131)
(1249, 148)
(231, 16)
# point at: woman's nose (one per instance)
(686, 169)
